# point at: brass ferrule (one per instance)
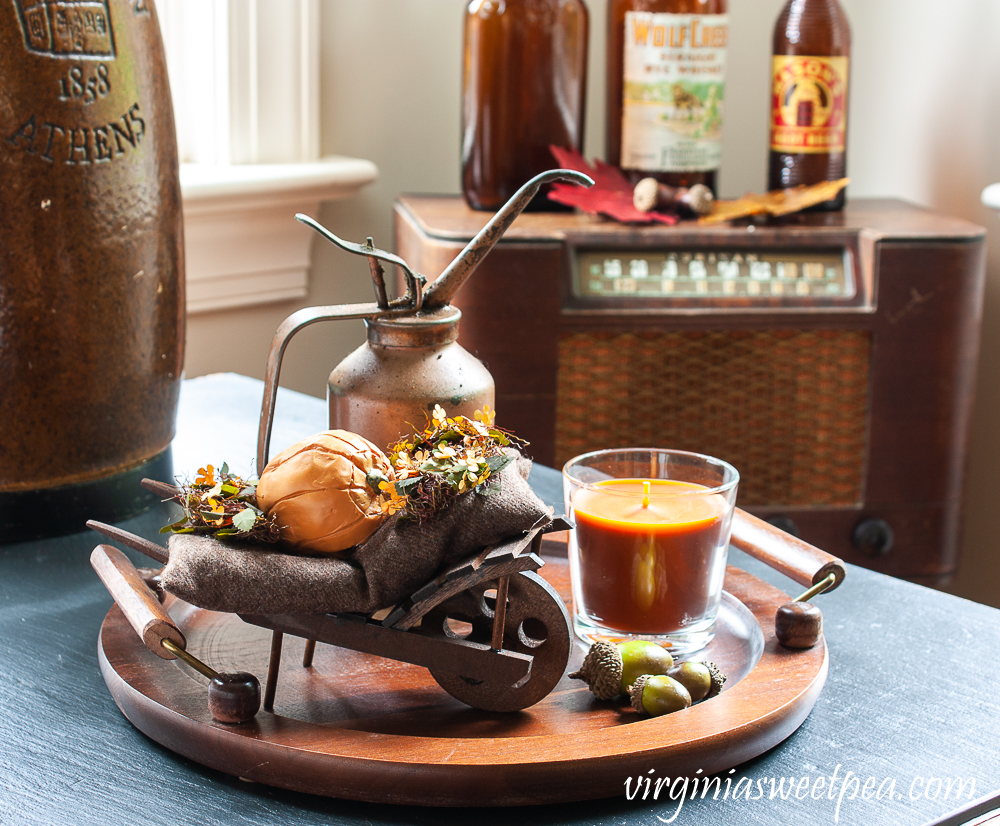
(191, 660)
(821, 586)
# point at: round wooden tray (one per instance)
(366, 728)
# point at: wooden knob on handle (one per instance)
(798, 624)
(234, 698)
(139, 605)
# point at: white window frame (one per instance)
(245, 82)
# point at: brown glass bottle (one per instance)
(812, 45)
(523, 88)
(683, 166)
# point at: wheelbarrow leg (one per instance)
(272, 670)
(307, 655)
(500, 613)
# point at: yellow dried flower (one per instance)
(391, 501)
(449, 457)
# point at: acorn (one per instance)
(650, 194)
(602, 670)
(718, 680)
(642, 657)
(702, 680)
(610, 669)
(656, 695)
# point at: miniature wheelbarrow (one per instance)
(492, 632)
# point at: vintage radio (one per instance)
(830, 357)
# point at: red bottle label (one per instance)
(809, 104)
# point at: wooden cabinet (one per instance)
(830, 357)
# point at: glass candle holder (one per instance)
(649, 548)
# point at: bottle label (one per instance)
(809, 104)
(673, 88)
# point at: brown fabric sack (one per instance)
(399, 558)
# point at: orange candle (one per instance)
(648, 553)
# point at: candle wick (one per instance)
(645, 498)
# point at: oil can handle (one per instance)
(410, 303)
(798, 560)
(288, 328)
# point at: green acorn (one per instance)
(610, 669)
(658, 694)
(642, 657)
(702, 680)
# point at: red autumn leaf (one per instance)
(610, 195)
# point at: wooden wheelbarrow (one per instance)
(492, 632)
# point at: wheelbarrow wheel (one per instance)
(536, 623)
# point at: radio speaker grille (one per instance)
(787, 408)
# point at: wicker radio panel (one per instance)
(786, 407)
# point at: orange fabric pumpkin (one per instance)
(319, 494)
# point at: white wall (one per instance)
(924, 110)
(925, 115)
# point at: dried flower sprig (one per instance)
(450, 456)
(223, 504)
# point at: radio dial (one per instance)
(654, 275)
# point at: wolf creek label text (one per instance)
(72, 145)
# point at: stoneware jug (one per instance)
(91, 263)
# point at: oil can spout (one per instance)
(443, 289)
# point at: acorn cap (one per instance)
(699, 199)
(635, 693)
(718, 680)
(602, 670)
(645, 193)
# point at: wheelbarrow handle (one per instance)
(130, 540)
(139, 604)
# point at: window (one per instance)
(245, 81)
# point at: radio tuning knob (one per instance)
(784, 523)
(873, 537)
